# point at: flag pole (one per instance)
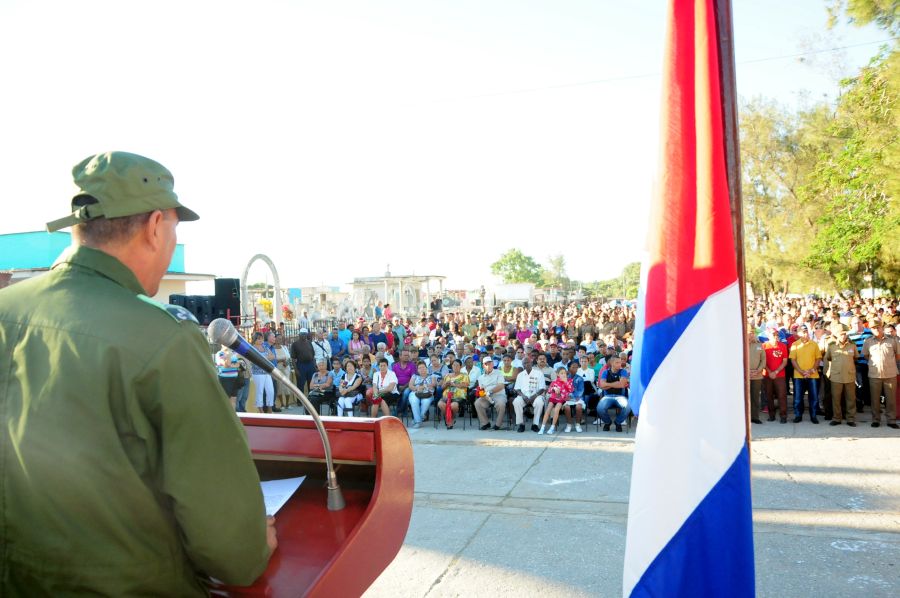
(725, 40)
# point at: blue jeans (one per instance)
(419, 407)
(403, 403)
(610, 401)
(811, 385)
(305, 373)
(242, 394)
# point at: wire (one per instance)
(822, 51)
(657, 74)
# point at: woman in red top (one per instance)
(558, 393)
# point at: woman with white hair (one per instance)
(321, 386)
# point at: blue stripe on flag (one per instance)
(712, 553)
(654, 344)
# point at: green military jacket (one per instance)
(756, 359)
(840, 362)
(123, 468)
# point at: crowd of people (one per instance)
(843, 350)
(547, 362)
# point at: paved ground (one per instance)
(508, 514)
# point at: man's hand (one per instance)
(271, 534)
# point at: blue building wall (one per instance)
(20, 251)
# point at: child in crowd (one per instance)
(558, 393)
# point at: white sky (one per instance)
(339, 137)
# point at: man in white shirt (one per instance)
(491, 380)
(321, 348)
(472, 370)
(530, 388)
(544, 368)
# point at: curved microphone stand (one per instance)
(223, 332)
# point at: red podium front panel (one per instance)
(332, 553)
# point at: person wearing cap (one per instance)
(757, 364)
(822, 336)
(805, 355)
(883, 356)
(125, 471)
(840, 369)
(492, 382)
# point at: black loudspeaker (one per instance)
(203, 308)
(190, 304)
(227, 301)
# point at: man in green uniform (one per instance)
(124, 470)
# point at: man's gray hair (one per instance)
(103, 231)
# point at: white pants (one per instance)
(519, 408)
(263, 384)
(347, 403)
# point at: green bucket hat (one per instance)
(123, 184)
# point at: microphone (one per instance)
(223, 332)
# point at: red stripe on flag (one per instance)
(692, 253)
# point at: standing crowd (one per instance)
(841, 355)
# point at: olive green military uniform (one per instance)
(757, 363)
(123, 468)
(840, 368)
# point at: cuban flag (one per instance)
(689, 513)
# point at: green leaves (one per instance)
(820, 185)
(849, 184)
(515, 266)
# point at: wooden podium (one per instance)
(332, 553)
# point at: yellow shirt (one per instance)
(807, 355)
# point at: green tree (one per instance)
(852, 181)
(623, 286)
(884, 13)
(515, 266)
(868, 120)
(778, 150)
(554, 276)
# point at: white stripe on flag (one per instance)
(690, 431)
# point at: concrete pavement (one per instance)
(509, 514)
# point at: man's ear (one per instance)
(152, 233)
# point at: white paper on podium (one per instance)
(277, 492)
